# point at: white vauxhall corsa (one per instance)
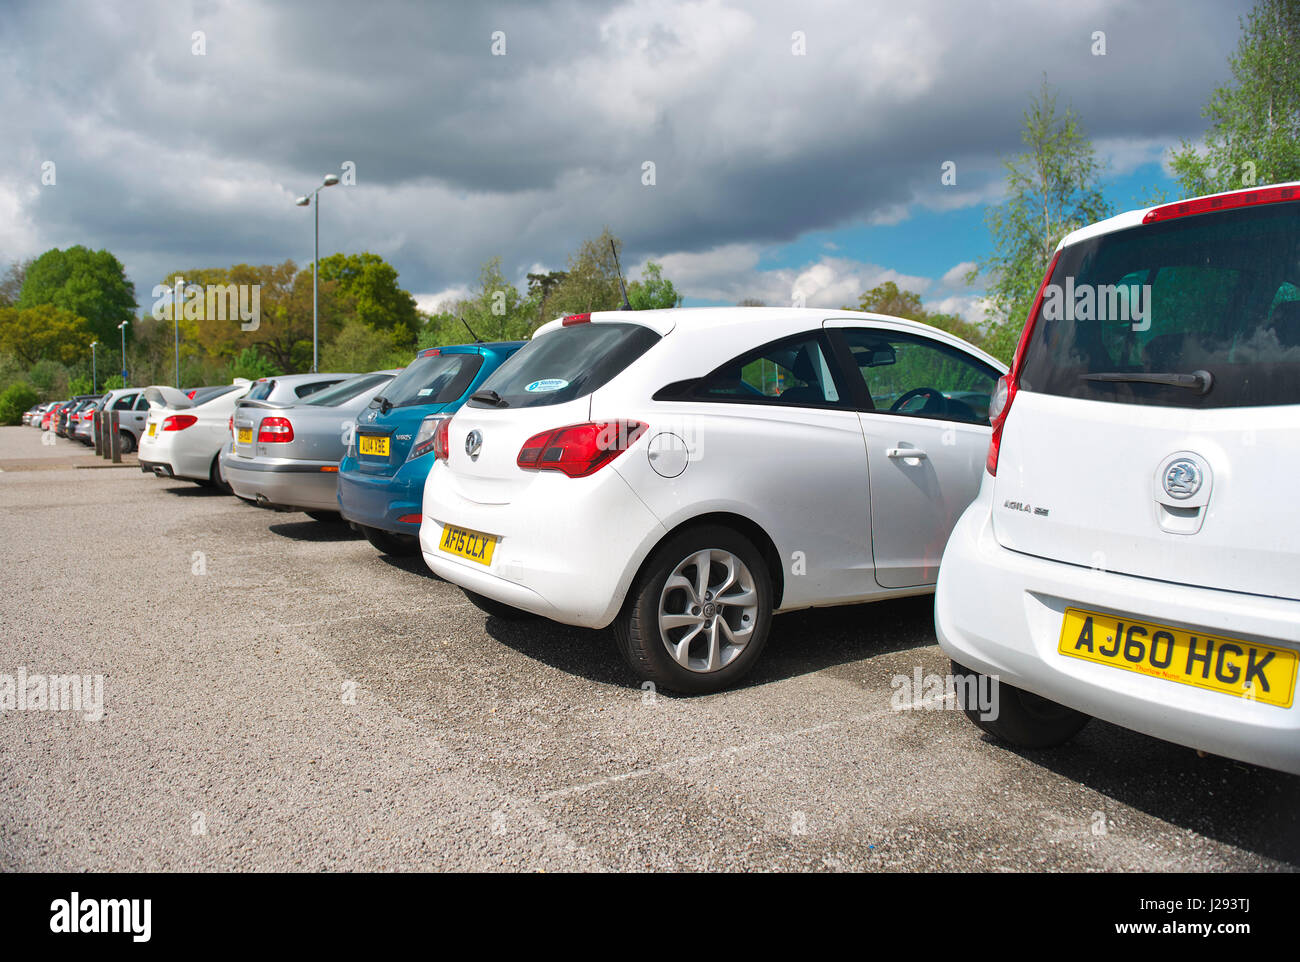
(1133, 553)
(683, 474)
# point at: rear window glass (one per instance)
(433, 379)
(346, 390)
(567, 363)
(1217, 293)
(260, 391)
(303, 390)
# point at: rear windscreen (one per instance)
(433, 379)
(346, 390)
(567, 363)
(1214, 294)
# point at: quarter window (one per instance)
(794, 371)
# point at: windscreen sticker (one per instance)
(425, 390)
(547, 384)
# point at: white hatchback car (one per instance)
(1131, 554)
(683, 474)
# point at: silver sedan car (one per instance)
(286, 456)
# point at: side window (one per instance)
(303, 390)
(142, 403)
(124, 402)
(911, 375)
(796, 370)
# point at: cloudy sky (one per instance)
(181, 132)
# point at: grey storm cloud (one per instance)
(175, 160)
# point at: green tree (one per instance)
(1254, 135)
(89, 284)
(653, 290)
(11, 285)
(359, 347)
(1052, 189)
(81, 384)
(591, 282)
(888, 298)
(15, 400)
(367, 287)
(252, 365)
(44, 333)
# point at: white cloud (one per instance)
(955, 276)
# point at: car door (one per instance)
(923, 407)
(777, 441)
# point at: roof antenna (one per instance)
(626, 304)
(477, 339)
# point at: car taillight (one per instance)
(273, 430)
(1005, 392)
(230, 425)
(1228, 201)
(579, 449)
(178, 422)
(432, 436)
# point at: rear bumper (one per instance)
(377, 501)
(567, 549)
(159, 468)
(292, 485)
(1000, 612)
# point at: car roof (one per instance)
(767, 323)
(1135, 218)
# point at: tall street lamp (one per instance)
(122, 327)
(94, 377)
(330, 181)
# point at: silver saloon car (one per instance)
(286, 456)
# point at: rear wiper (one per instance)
(488, 397)
(385, 405)
(1198, 381)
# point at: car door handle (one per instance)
(905, 453)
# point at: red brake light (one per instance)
(579, 450)
(1005, 392)
(430, 352)
(178, 422)
(441, 440)
(576, 319)
(274, 430)
(230, 425)
(1237, 198)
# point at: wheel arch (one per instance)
(728, 519)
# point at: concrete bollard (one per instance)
(115, 438)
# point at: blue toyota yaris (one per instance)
(381, 477)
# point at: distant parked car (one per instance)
(286, 456)
(683, 475)
(182, 439)
(70, 416)
(185, 440)
(1132, 554)
(381, 478)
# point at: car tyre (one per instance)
(214, 477)
(669, 635)
(1024, 719)
(391, 543)
(127, 440)
(497, 609)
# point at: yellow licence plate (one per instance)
(373, 444)
(1229, 666)
(152, 426)
(243, 435)
(468, 544)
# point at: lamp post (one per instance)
(122, 327)
(94, 376)
(176, 322)
(330, 181)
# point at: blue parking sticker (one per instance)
(547, 384)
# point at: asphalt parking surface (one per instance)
(279, 696)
